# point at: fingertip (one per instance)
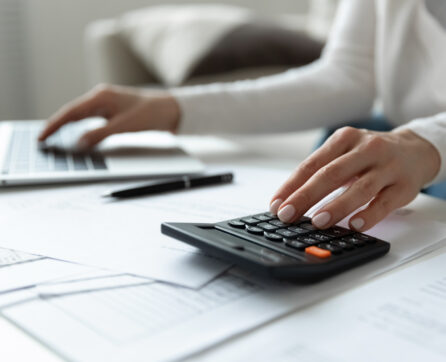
(322, 220)
(274, 206)
(357, 223)
(287, 214)
(47, 131)
(83, 144)
(92, 138)
(43, 136)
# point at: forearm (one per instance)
(339, 87)
(321, 94)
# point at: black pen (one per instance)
(173, 184)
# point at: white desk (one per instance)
(266, 151)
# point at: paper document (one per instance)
(9, 257)
(76, 224)
(136, 322)
(401, 317)
(88, 285)
(139, 323)
(28, 274)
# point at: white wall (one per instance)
(55, 42)
(13, 100)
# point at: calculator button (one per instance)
(254, 230)
(354, 240)
(237, 224)
(273, 237)
(270, 215)
(342, 244)
(286, 233)
(267, 226)
(279, 223)
(318, 252)
(366, 238)
(298, 230)
(295, 244)
(308, 226)
(307, 240)
(305, 219)
(359, 243)
(321, 237)
(250, 221)
(337, 232)
(334, 249)
(262, 217)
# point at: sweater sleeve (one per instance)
(337, 88)
(432, 129)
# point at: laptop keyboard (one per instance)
(26, 156)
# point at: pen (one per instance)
(174, 184)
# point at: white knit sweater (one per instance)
(391, 50)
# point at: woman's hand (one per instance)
(126, 110)
(387, 169)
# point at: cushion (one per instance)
(177, 42)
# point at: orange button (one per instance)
(320, 253)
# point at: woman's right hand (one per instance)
(126, 110)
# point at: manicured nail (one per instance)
(274, 207)
(357, 223)
(287, 213)
(320, 220)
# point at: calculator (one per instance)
(265, 245)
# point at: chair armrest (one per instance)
(109, 59)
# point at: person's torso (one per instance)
(411, 58)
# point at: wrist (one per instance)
(428, 155)
(164, 110)
(172, 113)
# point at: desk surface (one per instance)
(266, 151)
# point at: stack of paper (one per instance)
(401, 317)
(141, 290)
(76, 224)
(95, 315)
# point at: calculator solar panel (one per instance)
(296, 251)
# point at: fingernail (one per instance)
(287, 213)
(320, 220)
(274, 207)
(357, 223)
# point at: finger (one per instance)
(358, 194)
(92, 138)
(389, 199)
(337, 145)
(117, 124)
(86, 106)
(323, 182)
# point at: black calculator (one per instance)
(296, 251)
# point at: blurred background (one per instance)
(44, 52)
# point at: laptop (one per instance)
(25, 161)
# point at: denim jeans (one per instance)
(379, 123)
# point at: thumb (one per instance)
(92, 138)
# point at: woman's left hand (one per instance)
(384, 169)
